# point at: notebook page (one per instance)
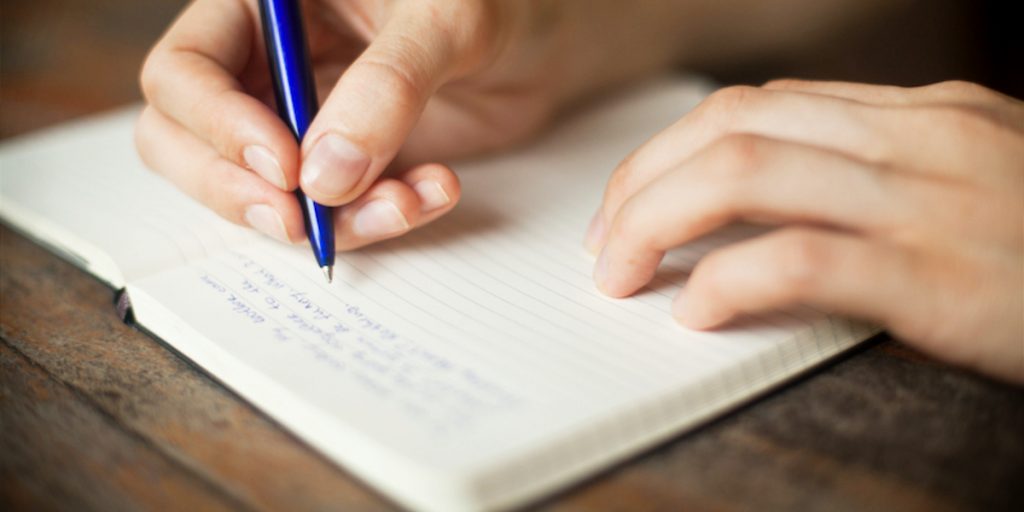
(81, 189)
(472, 363)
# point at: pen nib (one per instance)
(328, 272)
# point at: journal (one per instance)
(468, 365)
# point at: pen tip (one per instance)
(328, 273)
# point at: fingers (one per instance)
(378, 100)
(229, 190)
(204, 132)
(955, 98)
(743, 177)
(836, 272)
(949, 111)
(871, 94)
(390, 208)
(897, 206)
(437, 187)
(890, 137)
(953, 92)
(393, 207)
(190, 77)
(802, 118)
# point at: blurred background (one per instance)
(61, 59)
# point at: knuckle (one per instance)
(217, 127)
(150, 76)
(711, 275)
(724, 103)
(738, 156)
(468, 29)
(454, 13)
(963, 121)
(620, 180)
(632, 227)
(399, 84)
(963, 88)
(909, 231)
(802, 260)
(625, 226)
(480, 19)
(786, 83)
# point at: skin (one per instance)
(408, 84)
(404, 85)
(901, 206)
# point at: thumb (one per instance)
(378, 100)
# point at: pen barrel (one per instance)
(295, 95)
(288, 60)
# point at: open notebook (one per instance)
(469, 365)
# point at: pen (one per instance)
(295, 92)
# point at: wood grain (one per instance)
(65, 322)
(49, 461)
(877, 430)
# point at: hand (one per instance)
(901, 206)
(423, 80)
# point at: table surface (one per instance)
(95, 415)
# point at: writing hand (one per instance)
(902, 206)
(406, 81)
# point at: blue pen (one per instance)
(295, 91)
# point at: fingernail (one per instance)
(432, 196)
(266, 220)
(334, 166)
(379, 218)
(601, 271)
(595, 233)
(263, 162)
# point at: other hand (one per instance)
(901, 206)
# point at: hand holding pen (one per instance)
(211, 126)
(403, 84)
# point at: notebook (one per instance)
(470, 365)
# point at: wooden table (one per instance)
(97, 416)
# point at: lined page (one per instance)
(475, 355)
(81, 189)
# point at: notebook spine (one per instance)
(123, 305)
